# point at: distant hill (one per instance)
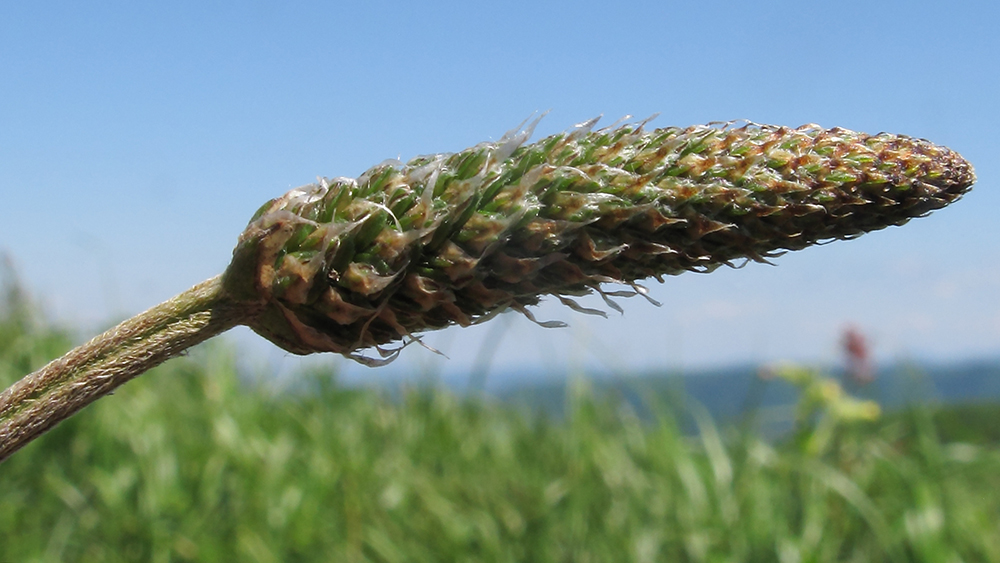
(733, 393)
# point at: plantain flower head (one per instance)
(353, 263)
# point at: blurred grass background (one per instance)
(196, 461)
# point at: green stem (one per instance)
(42, 399)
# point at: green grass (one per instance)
(191, 462)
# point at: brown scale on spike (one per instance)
(455, 238)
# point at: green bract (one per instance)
(347, 264)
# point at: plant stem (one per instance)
(42, 399)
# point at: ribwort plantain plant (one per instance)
(346, 265)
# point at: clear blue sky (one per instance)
(136, 140)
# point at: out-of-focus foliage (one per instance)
(194, 463)
(824, 409)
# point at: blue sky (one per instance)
(136, 140)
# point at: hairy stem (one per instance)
(42, 399)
